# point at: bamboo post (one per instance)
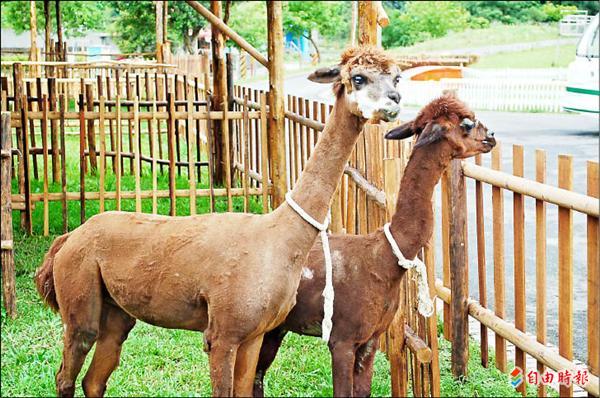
(519, 258)
(227, 152)
(276, 98)
(82, 157)
(21, 169)
(191, 163)
(33, 52)
(565, 269)
(481, 266)
(63, 163)
(444, 185)
(154, 170)
(53, 129)
(119, 142)
(6, 227)
(45, 162)
(498, 239)
(102, 153)
(171, 151)
(91, 133)
(209, 142)
(245, 150)
(459, 280)
(540, 262)
(159, 30)
(137, 165)
(31, 121)
(264, 161)
(367, 23)
(593, 259)
(59, 33)
(219, 94)
(48, 30)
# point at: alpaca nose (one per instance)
(394, 96)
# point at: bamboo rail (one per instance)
(520, 339)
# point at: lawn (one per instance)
(496, 34)
(163, 362)
(546, 57)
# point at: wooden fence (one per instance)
(164, 125)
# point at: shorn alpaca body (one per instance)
(233, 276)
(366, 272)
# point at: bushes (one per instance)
(423, 20)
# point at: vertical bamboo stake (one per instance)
(446, 253)
(91, 134)
(171, 142)
(113, 144)
(45, 160)
(593, 274)
(63, 163)
(481, 268)
(53, 129)
(154, 171)
(565, 268)
(118, 163)
(27, 166)
(264, 152)
(498, 239)
(82, 157)
(102, 153)
(519, 258)
(540, 262)
(459, 280)
(31, 122)
(6, 226)
(429, 256)
(225, 128)
(276, 96)
(136, 154)
(246, 155)
(191, 143)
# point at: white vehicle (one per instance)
(583, 85)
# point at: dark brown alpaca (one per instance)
(233, 276)
(366, 272)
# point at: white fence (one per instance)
(520, 95)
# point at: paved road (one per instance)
(555, 133)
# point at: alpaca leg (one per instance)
(114, 328)
(245, 366)
(79, 297)
(221, 356)
(363, 368)
(268, 351)
(343, 355)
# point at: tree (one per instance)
(303, 18)
(249, 20)
(77, 16)
(134, 25)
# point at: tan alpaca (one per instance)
(368, 274)
(233, 276)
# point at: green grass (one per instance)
(163, 362)
(496, 34)
(547, 57)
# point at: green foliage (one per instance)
(134, 25)
(553, 12)
(77, 16)
(329, 18)
(249, 19)
(501, 11)
(423, 20)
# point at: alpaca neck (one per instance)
(319, 179)
(412, 224)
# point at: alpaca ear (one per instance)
(432, 133)
(405, 130)
(325, 75)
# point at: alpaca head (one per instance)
(447, 119)
(366, 79)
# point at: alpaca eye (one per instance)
(396, 80)
(359, 80)
(467, 124)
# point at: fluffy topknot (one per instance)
(367, 57)
(448, 105)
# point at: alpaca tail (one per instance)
(44, 276)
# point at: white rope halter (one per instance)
(425, 305)
(328, 291)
